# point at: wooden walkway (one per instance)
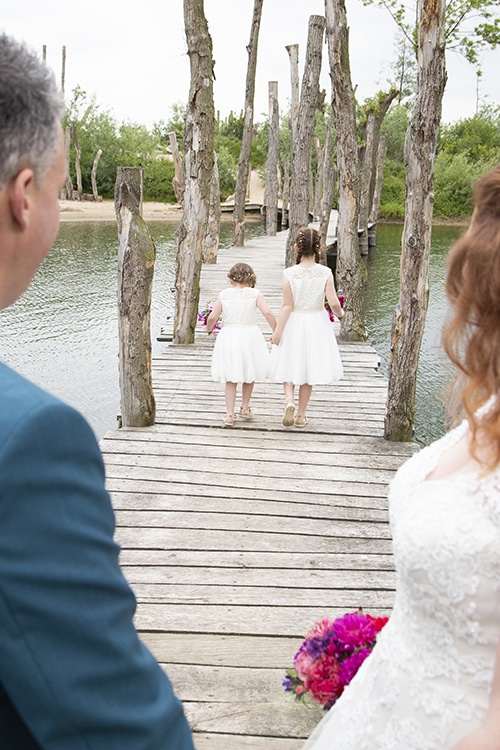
(236, 541)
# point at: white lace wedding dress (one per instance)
(426, 683)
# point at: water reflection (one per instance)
(62, 333)
(435, 372)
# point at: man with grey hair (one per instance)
(73, 672)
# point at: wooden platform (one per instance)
(236, 541)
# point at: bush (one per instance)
(392, 211)
(392, 200)
(158, 176)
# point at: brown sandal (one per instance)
(288, 415)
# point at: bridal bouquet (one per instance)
(202, 318)
(341, 296)
(331, 655)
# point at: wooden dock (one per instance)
(236, 541)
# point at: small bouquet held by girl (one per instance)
(330, 656)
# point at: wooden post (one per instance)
(328, 190)
(136, 257)
(377, 193)
(286, 194)
(350, 272)
(94, 173)
(301, 146)
(375, 113)
(211, 245)
(198, 168)
(244, 166)
(67, 190)
(293, 54)
(272, 162)
(78, 169)
(408, 321)
(63, 69)
(178, 181)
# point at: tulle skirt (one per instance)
(308, 351)
(240, 355)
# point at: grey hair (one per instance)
(30, 108)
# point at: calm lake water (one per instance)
(62, 333)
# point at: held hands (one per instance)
(275, 338)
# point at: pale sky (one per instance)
(132, 55)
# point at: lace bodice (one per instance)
(427, 682)
(239, 305)
(308, 286)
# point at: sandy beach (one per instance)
(105, 211)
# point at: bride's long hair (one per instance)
(472, 334)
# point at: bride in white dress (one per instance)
(431, 681)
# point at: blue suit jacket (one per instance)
(73, 672)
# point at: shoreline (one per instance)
(154, 211)
(105, 211)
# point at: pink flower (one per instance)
(323, 681)
(302, 663)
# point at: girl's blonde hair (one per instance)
(308, 243)
(472, 335)
(242, 273)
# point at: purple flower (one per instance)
(350, 666)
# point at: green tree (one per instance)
(476, 137)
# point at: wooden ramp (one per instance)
(236, 541)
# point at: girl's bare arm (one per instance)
(333, 300)
(284, 313)
(214, 315)
(266, 311)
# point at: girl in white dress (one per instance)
(433, 679)
(307, 353)
(240, 353)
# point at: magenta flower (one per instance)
(355, 630)
(330, 656)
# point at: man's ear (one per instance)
(20, 199)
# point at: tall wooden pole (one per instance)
(136, 258)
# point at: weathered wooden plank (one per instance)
(291, 621)
(245, 463)
(307, 564)
(216, 741)
(188, 538)
(242, 651)
(153, 577)
(226, 483)
(132, 509)
(236, 541)
(231, 522)
(334, 496)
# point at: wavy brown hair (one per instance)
(309, 243)
(472, 335)
(242, 273)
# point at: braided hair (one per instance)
(242, 273)
(308, 244)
